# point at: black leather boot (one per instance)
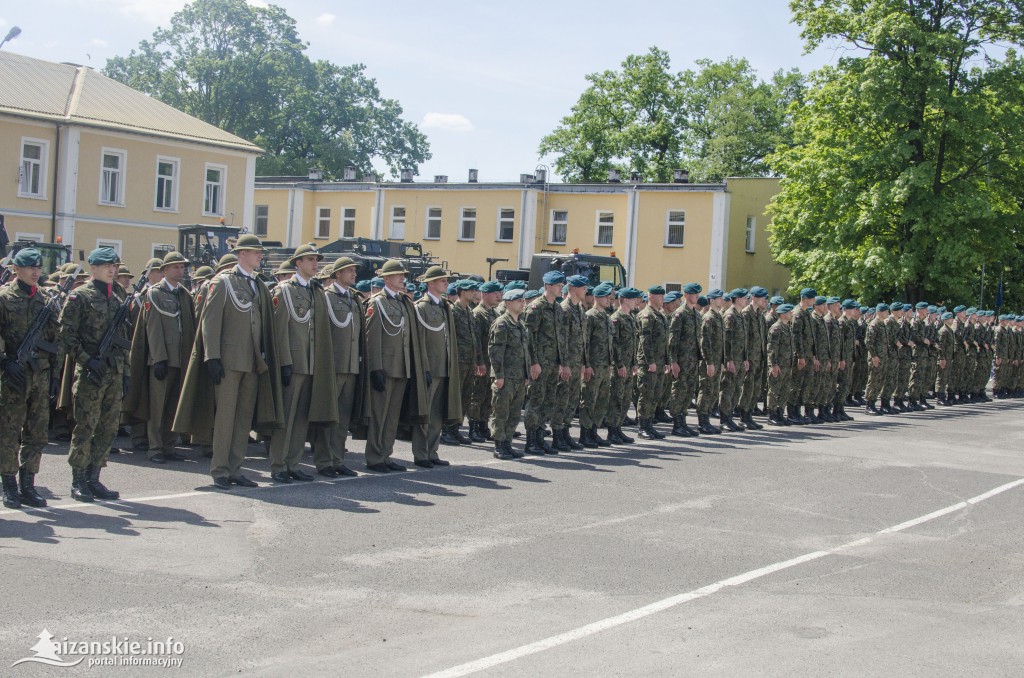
(99, 490)
(645, 430)
(750, 423)
(29, 495)
(925, 404)
(658, 435)
(558, 440)
(728, 424)
(871, 408)
(476, 431)
(775, 418)
(567, 436)
(679, 427)
(10, 487)
(810, 416)
(661, 417)
(886, 408)
(601, 442)
(457, 433)
(825, 414)
(543, 444)
(629, 440)
(587, 439)
(705, 426)
(80, 490)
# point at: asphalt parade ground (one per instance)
(887, 546)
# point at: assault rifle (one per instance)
(112, 338)
(33, 341)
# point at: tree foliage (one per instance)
(905, 175)
(244, 69)
(716, 121)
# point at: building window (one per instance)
(113, 244)
(262, 220)
(323, 222)
(467, 225)
(673, 287)
(348, 222)
(213, 195)
(506, 224)
(675, 228)
(605, 228)
(32, 179)
(559, 227)
(397, 229)
(112, 168)
(161, 250)
(433, 231)
(167, 184)
(33, 237)
(751, 228)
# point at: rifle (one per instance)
(33, 340)
(111, 338)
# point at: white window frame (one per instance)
(222, 184)
(427, 219)
(31, 237)
(164, 247)
(318, 234)
(498, 222)
(44, 157)
(122, 174)
(117, 245)
(175, 182)
(551, 228)
(463, 220)
(668, 227)
(597, 228)
(345, 219)
(750, 234)
(392, 222)
(256, 221)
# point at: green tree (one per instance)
(717, 121)
(244, 69)
(905, 174)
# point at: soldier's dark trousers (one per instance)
(683, 389)
(596, 394)
(287, 444)
(506, 406)
(24, 417)
(618, 406)
(649, 392)
(427, 437)
(97, 414)
(467, 382)
(567, 398)
(329, 447)
(778, 389)
(163, 401)
(236, 402)
(876, 381)
(540, 398)
(708, 388)
(385, 409)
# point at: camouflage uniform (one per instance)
(624, 341)
(469, 356)
(905, 354)
(684, 349)
(803, 347)
(480, 407)
(877, 344)
(946, 345)
(735, 346)
(757, 336)
(779, 354)
(860, 361)
(712, 352)
(547, 348)
(567, 394)
(652, 348)
(920, 355)
(599, 357)
(847, 334)
(822, 377)
(508, 353)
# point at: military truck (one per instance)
(594, 267)
(54, 255)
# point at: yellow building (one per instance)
(99, 163)
(663, 233)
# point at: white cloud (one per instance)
(326, 19)
(98, 42)
(450, 122)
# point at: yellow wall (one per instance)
(581, 232)
(749, 198)
(26, 215)
(658, 263)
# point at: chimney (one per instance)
(349, 174)
(614, 176)
(634, 177)
(406, 175)
(440, 178)
(473, 174)
(526, 178)
(316, 174)
(370, 178)
(680, 176)
(542, 176)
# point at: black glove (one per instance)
(54, 388)
(378, 381)
(126, 385)
(215, 368)
(96, 369)
(160, 370)
(14, 373)
(428, 377)
(286, 375)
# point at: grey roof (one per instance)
(45, 90)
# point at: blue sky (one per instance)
(484, 80)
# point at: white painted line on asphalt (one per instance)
(674, 601)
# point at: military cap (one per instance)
(29, 257)
(603, 290)
(528, 294)
(172, 258)
(453, 288)
(491, 286)
(203, 273)
(849, 303)
(467, 285)
(377, 282)
(553, 278)
(516, 285)
(285, 267)
(808, 293)
(758, 292)
(972, 311)
(121, 270)
(896, 305)
(411, 288)
(870, 310)
(866, 309)
(784, 308)
(417, 295)
(645, 296)
(432, 273)
(103, 255)
(990, 313)
(154, 263)
(819, 300)
(776, 300)
(565, 290)
(932, 308)
(692, 288)
(655, 289)
(714, 294)
(342, 263)
(738, 292)
(629, 293)
(363, 285)
(227, 260)
(392, 267)
(947, 315)
(1019, 318)
(832, 300)
(672, 296)
(702, 301)
(513, 294)
(71, 268)
(882, 307)
(590, 290)
(577, 281)
(248, 242)
(305, 251)
(921, 304)
(941, 309)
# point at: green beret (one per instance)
(784, 308)
(819, 300)
(921, 304)
(870, 310)
(363, 285)
(672, 296)
(629, 293)
(103, 255)
(692, 288)
(715, 294)
(775, 301)
(656, 289)
(513, 294)
(491, 286)
(738, 292)
(848, 304)
(932, 309)
(866, 309)
(377, 282)
(882, 307)
(590, 290)
(972, 311)
(702, 301)
(28, 257)
(946, 316)
(808, 293)
(832, 300)
(645, 295)
(516, 285)
(553, 278)
(603, 290)
(530, 294)
(577, 281)
(758, 292)
(467, 285)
